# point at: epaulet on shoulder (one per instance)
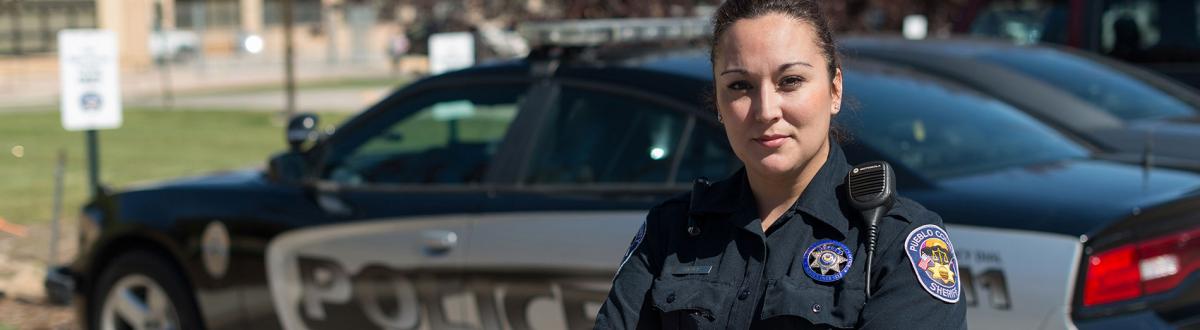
(685, 198)
(913, 212)
(670, 213)
(679, 207)
(681, 200)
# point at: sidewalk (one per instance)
(32, 84)
(340, 99)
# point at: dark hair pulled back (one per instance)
(806, 11)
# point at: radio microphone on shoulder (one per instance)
(872, 190)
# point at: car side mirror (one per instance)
(287, 167)
(301, 130)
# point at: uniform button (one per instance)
(670, 298)
(745, 293)
(816, 308)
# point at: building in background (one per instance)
(355, 31)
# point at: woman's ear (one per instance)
(836, 92)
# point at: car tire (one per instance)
(141, 286)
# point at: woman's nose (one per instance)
(766, 104)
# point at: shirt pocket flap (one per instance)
(819, 304)
(674, 294)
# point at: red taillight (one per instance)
(1112, 276)
(1151, 266)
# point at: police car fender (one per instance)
(1014, 279)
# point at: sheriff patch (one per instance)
(827, 260)
(633, 245)
(933, 261)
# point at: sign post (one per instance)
(91, 94)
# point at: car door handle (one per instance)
(333, 205)
(439, 242)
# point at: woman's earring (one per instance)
(719, 119)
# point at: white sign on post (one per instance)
(451, 51)
(91, 94)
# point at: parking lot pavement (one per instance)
(23, 261)
(35, 316)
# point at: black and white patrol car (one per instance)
(502, 197)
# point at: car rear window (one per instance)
(940, 130)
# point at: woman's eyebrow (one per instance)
(782, 68)
(786, 66)
(734, 70)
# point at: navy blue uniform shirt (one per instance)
(808, 270)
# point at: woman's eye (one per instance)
(791, 81)
(739, 86)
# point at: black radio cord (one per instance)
(872, 233)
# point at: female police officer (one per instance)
(775, 245)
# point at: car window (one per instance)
(1151, 30)
(447, 136)
(1024, 22)
(939, 130)
(707, 155)
(599, 137)
(1124, 96)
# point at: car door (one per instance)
(543, 253)
(399, 185)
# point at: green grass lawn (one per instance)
(151, 145)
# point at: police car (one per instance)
(503, 196)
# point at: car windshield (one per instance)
(1124, 96)
(940, 130)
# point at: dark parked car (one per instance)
(502, 196)
(1124, 111)
(1162, 35)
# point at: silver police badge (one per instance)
(828, 260)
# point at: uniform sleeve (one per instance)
(898, 299)
(628, 305)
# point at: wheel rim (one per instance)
(139, 303)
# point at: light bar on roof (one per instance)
(612, 31)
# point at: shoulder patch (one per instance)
(633, 245)
(932, 256)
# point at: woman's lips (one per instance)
(771, 140)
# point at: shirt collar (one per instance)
(822, 199)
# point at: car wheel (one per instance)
(141, 290)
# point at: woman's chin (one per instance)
(773, 165)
